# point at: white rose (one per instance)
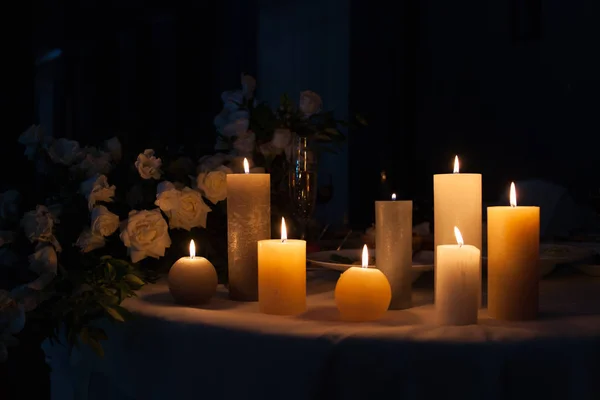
(148, 165)
(38, 224)
(244, 144)
(167, 196)
(94, 162)
(248, 86)
(97, 189)
(209, 163)
(213, 184)
(310, 103)
(104, 222)
(232, 99)
(33, 138)
(43, 262)
(64, 151)
(9, 204)
(236, 128)
(114, 148)
(191, 211)
(88, 241)
(146, 234)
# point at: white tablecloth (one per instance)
(228, 350)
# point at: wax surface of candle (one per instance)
(393, 240)
(282, 276)
(457, 284)
(457, 202)
(192, 280)
(513, 261)
(362, 294)
(248, 221)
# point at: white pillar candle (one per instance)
(393, 242)
(457, 202)
(456, 283)
(282, 275)
(248, 221)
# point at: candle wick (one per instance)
(283, 240)
(460, 245)
(513, 206)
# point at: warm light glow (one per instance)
(393, 196)
(459, 238)
(283, 231)
(192, 249)
(246, 166)
(456, 164)
(513, 195)
(365, 257)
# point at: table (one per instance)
(228, 350)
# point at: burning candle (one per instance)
(457, 282)
(457, 202)
(513, 260)
(248, 221)
(282, 275)
(393, 240)
(192, 280)
(362, 294)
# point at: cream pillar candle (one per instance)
(457, 202)
(192, 280)
(362, 294)
(248, 221)
(456, 284)
(282, 275)
(513, 260)
(393, 242)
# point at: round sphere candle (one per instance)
(393, 239)
(248, 221)
(192, 280)
(457, 202)
(362, 294)
(282, 275)
(513, 260)
(456, 283)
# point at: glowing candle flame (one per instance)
(513, 195)
(283, 231)
(192, 249)
(459, 238)
(365, 257)
(246, 166)
(393, 196)
(456, 164)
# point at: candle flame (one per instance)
(246, 166)
(283, 231)
(192, 249)
(393, 196)
(513, 195)
(455, 164)
(459, 238)
(365, 257)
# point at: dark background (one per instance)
(510, 86)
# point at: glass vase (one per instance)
(302, 183)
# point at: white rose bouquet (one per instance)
(97, 223)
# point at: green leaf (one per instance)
(133, 280)
(84, 336)
(110, 271)
(114, 313)
(97, 333)
(96, 347)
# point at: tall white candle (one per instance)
(457, 202)
(456, 283)
(393, 241)
(248, 221)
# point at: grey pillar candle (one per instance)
(393, 242)
(248, 221)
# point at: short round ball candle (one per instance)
(362, 294)
(192, 280)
